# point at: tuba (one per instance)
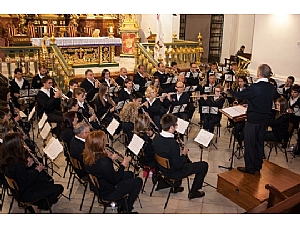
(242, 71)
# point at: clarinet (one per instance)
(36, 161)
(182, 145)
(85, 119)
(155, 129)
(92, 112)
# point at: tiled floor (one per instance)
(212, 203)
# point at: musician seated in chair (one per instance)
(49, 102)
(69, 121)
(77, 145)
(212, 116)
(127, 90)
(36, 82)
(105, 77)
(90, 85)
(294, 106)
(72, 85)
(127, 116)
(16, 85)
(85, 112)
(32, 182)
(104, 105)
(278, 122)
(114, 184)
(153, 105)
(167, 147)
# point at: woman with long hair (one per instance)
(127, 90)
(279, 122)
(104, 105)
(156, 84)
(114, 184)
(142, 129)
(70, 104)
(127, 117)
(69, 121)
(32, 184)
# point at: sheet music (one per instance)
(136, 144)
(120, 104)
(207, 89)
(296, 111)
(42, 121)
(187, 74)
(280, 90)
(31, 113)
(214, 110)
(114, 124)
(148, 83)
(112, 89)
(127, 101)
(176, 109)
(174, 80)
(218, 75)
(53, 148)
(22, 114)
(182, 125)
(229, 77)
(190, 88)
(205, 109)
(182, 108)
(33, 92)
(136, 87)
(169, 80)
(204, 137)
(23, 92)
(235, 111)
(45, 131)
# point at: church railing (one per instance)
(181, 51)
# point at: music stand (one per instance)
(210, 110)
(203, 139)
(233, 114)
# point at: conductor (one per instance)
(260, 96)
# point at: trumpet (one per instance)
(63, 96)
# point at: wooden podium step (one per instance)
(248, 191)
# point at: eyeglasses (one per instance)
(180, 86)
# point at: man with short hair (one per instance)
(163, 77)
(140, 79)
(49, 102)
(16, 85)
(287, 87)
(36, 82)
(260, 96)
(72, 85)
(90, 85)
(193, 77)
(123, 75)
(81, 131)
(239, 53)
(166, 146)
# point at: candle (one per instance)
(111, 29)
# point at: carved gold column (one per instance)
(199, 49)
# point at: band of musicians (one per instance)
(149, 107)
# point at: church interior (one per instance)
(70, 44)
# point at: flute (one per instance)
(209, 95)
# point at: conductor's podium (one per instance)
(248, 191)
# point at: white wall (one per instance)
(170, 24)
(275, 43)
(238, 31)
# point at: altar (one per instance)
(86, 51)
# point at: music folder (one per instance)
(234, 111)
(207, 89)
(148, 83)
(136, 87)
(218, 75)
(42, 121)
(113, 89)
(182, 125)
(229, 78)
(120, 105)
(211, 110)
(33, 92)
(190, 88)
(24, 92)
(174, 79)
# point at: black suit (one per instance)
(184, 99)
(286, 92)
(14, 88)
(76, 149)
(260, 96)
(120, 81)
(124, 95)
(69, 94)
(89, 89)
(155, 111)
(192, 79)
(84, 113)
(141, 81)
(179, 168)
(51, 106)
(162, 79)
(36, 82)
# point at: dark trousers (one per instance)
(128, 185)
(254, 146)
(210, 121)
(198, 168)
(56, 118)
(43, 189)
(270, 136)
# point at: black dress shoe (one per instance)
(178, 189)
(31, 210)
(244, 170)
(197, 194)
